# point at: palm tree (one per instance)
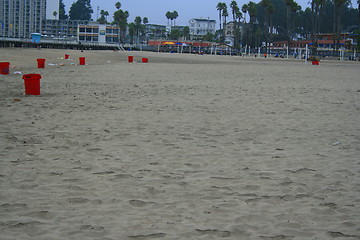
(132, 31)
(338, 4)
(145, 21)
(293, 9)
(244, 9)
(55, 14)
(168, 16)
(316, 9)
(172, 16)
(265, 4)
(106, 14)
(171, 19)
(186, 32)
(220, 7)
(225, 14)
(102, 19)
(236, 14)
(137, 22)
(118, 5)
(234, 9)
(270, 10)
(252, 14)
(175, 15)
(120, 18)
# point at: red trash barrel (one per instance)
(66, 56)
(41, 63)
(130, 59)
(82, 60)
(32, 84)
(144, 60)
(4, 68)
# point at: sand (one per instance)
(182, 147)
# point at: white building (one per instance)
(98, 33)
(200, 27)
(230, 32)
(20, 18)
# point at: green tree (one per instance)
(292, 8)
(138, 27)
(120, 19)
(221, 8)
(118, 5)
(225, 14)
(358, 39)
(316, 9)
(103, 17)
(175, 34)
(171, 16)
(338, 4)
(62, 15)
(132, 31)
(186, 32)
(81, 10)
(55, 14)
(209, 37)
(235, 10)
(175, 15)
(268, 9)
(145, 21)
(252, 14)
(168, 16)
(106, 14)
(244, 9)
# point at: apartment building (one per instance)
(61, 28)
(20, 18)
(200, 27)
(230, 32)
(98, 33)
(155, 31)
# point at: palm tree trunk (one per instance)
(338, 32)
(266, 28)
(334, 25)
(313, 23)
(288, 25)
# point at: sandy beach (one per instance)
(182, 147)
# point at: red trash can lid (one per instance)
(32, 76)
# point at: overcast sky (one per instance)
(155, 10)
